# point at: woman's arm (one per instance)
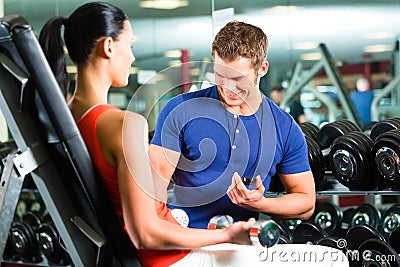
(124, 142)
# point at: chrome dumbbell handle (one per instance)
(264, 233)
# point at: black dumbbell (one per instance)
(290, 224)
(366, 214)
(276, 185)
(317, 165)
(390, 220)
(329, 132)
(394, 239)
(23, 206)
(345, 224)
(23, 237)
(386, 150)
(316, 161)
(359, 233)
(50, 242)
(377, 253)
(327, 216)
(38, 206)
(384, 126)
(366, 129)
(307, 232)
(263, 233)
(352, 163)
(9, 252)
(309, 129)
(334, 242)
(285, 236)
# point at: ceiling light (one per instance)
(279, 9)
(134, 70)
(311, 56)
(195, 72)
(71, 69)
(173, 53)
(380, 35)
(378, 48)
(175, 63)
(305, 46)
(163, 4)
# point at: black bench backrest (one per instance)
(42, 98)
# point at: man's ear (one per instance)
(106, 47)
(263, 68)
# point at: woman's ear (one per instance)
(106, 47)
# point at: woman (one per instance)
(98, 37)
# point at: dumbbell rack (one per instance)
(11, 188)
(339, 189)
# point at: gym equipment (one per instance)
(317, 165)
(290, 224)
(285, 236)
(386, 150)
(329, 132)
(263, 233)
(49, 242)
(299, 80)
(366, 129)
(384, 126)
(9, 252)
(307, 232)
(333, 242)
(359, 233)
(366, 214)
(23, 238)
(309, 129)
(219, 222)
(394, 239)
(390, 220)
(327, 216)
(316, 161)
(351, 161)
(345, 224)
(377, 253)
(276, 185)
(52, 151)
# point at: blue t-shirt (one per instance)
(215, 143)
(362, 102)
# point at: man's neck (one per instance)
(247, 108)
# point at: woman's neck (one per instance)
(90, 90)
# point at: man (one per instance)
(211, 139)
(295, 109)
(362, 99)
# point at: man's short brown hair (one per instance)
(241, 39)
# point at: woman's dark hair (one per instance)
(82, 30)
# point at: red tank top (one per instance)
(87, 126)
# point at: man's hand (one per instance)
(240, 195)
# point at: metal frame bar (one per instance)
(389, 88)
(45, 176)
(332, 72)
(10, 188)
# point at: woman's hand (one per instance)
(239, 232)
